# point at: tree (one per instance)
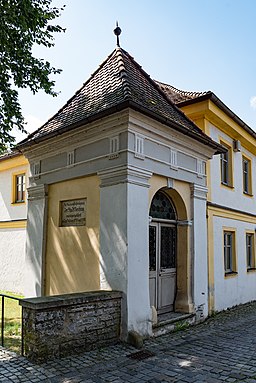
(23, 23)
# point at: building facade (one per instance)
(13, 219)
(231, 209)
(117, 197)
(139, 187)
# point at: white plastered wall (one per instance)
(12, 259)
(231, 197)
(240, 288)
(12, 234)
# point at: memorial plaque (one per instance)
(73, 212)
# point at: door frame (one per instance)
(156, 277)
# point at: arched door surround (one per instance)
(170, 277)
(162, 253)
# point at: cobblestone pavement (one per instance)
(222, 349)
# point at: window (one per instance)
(226, 166)
(229, 252)
(250, 253)
(161, 207)
(247, 176)
(19, 188)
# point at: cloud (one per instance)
(32, 123)
(253, 102)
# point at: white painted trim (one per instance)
(107, 156)
(71, 158)
(170, 183)
(173, 159)
(37, 169)
(200, 168)
(161, 220)
(180, 148)
(157, 129)
(139, 146)
(114, 147)
(185, 223)
(84, 135)
(75, 164)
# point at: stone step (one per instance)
(174, 322)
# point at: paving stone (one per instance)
(222, 349)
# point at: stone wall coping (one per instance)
(47, 302)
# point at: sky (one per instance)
(194, 45)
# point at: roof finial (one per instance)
(117, 32)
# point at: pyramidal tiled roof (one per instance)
(118, 83)
(177, 96)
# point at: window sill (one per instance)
(231, 274)
(231, 187)
(248, 194)
(251, 270)
(18, 203)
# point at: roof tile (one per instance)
(118, 80)
(178, 95)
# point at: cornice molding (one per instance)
(198, 192)
(79, 137)
(167, 136)
(124, 174)
(37, 192)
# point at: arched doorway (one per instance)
(162, 253)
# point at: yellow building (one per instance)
(231, 208)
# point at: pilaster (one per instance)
(124, 243)
(35, 242)
(199, 250)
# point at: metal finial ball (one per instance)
(117, 31)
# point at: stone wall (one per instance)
(61, 325)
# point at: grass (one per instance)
(12, 321)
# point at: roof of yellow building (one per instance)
(177, 95)
(183, 98)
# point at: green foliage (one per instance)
(12, 322)
(23, 23)
(180, 326)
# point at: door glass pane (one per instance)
(152, 248)
(168, 246)
(161, 207)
